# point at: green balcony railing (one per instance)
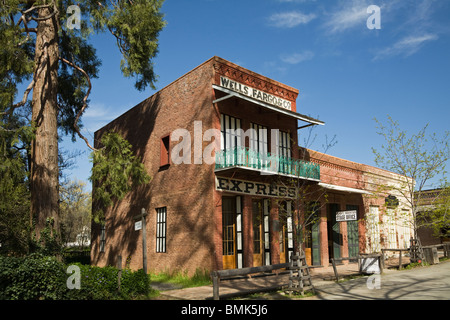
(245, 157)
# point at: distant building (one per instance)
(427, 203)
(82, 240)
(230, 183)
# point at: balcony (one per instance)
(241, 157)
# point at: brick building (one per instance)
(230, 185)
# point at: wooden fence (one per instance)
(219, 275)
(430, 253)
(360, 257)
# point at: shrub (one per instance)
(35, 277)
(96, 283)
(134, 284)
(43, 277)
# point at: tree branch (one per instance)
(30, 86)
(75, 125)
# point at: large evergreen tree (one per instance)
(41, 42)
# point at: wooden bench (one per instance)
(219, 275)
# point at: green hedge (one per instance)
(42, 277)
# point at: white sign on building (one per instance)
(349, 215)
(255, 93)
(138, 225)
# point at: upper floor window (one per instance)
(258, 138)
(165, 151)
(284, 144)
(230, 130)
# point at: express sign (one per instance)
(254, 188)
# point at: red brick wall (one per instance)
(185, 189)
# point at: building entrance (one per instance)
(312, 239)
(334, 236)
(229, 232)
(353, 234)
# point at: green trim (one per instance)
(245, 157)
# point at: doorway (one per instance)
(334, 236)
(312, 239)
(229, 232)
(353, 234)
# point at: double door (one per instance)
(232, 235)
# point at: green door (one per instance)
(313, 236)
(352, 234)
(315, 244)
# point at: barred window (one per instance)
(161, 229)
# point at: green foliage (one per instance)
(135, 25)
(35, 277)
(14, 191)
(49, 243)
(115, 172)
(75, 212)
(96, 283)
(102, 284)
(415, 156)
(134, 284)
(439, 217)
(201, 277)
(16, 55)
(419, 157)
(40, 277)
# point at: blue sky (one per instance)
(347, 74)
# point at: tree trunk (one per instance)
(44, 149)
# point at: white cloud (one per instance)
(347, 16)
(406, 46)
(290, 19)
(296, 58)
(97, 115)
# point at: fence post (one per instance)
(215, 278)
(381, 262)
(335, 269)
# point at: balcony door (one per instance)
(259, 146)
